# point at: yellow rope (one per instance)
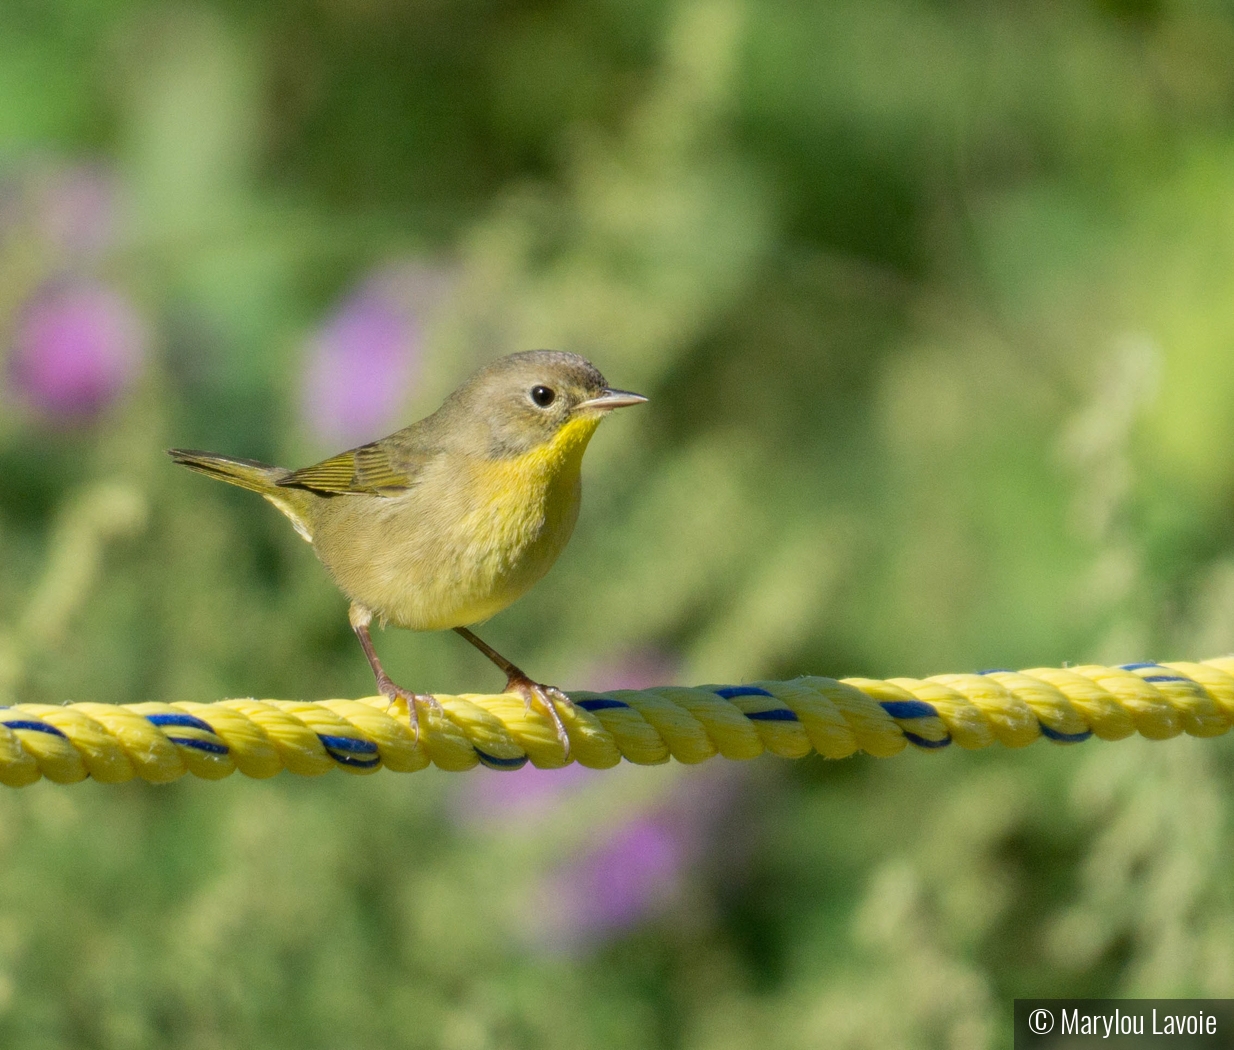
(162, 742)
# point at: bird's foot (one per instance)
(546, 697)
(394, 693)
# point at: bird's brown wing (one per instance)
(367, 469)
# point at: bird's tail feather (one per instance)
(247, 473)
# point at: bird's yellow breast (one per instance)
(471, 537)
(524, 508)
(533, 475)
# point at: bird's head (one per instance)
(534, 399)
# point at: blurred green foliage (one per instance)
(932, 300)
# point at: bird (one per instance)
(443, 524)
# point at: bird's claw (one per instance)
(546, 697)
(394, 693)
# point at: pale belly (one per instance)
(455, 549)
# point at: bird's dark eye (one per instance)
(543, 395)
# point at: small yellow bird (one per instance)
(448, 521)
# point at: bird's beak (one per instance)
(610, 399)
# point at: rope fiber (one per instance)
(259, 738)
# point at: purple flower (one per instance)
(363, 362)
(523, 795)
(76, 348)
(633, 873)
(637, 870)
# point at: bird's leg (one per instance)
(547, 696)
(360, 618)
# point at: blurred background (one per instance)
(934, 300)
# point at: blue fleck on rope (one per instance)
(1063, 738)
(602, 703)
(38, 727)
(346, 750)
(493, 762)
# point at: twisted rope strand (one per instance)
(162, 742)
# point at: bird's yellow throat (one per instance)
(559, 458)
(568, 444)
